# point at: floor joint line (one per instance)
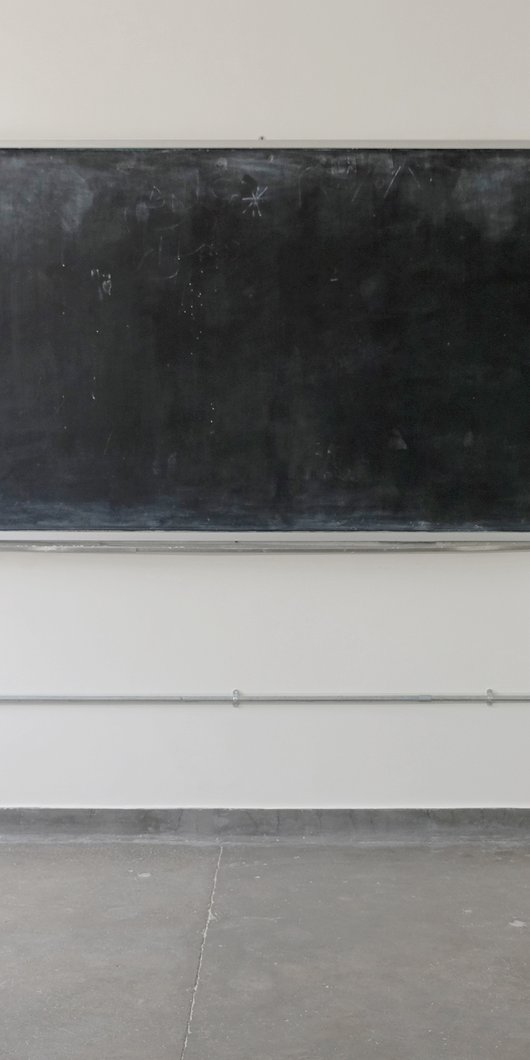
(209, 918)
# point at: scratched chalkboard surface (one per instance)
(264, 339)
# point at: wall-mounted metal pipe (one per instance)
(241, 699)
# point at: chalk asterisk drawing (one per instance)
(254, 201)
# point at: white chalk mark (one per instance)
(255, 200)
(142, 212)
(413, 175)
(394, 177)
(356, 192)
(402, 168)
(104, 282)
(397, 441)
(202, 246)
(306, 169)
(156, 199)
(143, 257)
(170, 228)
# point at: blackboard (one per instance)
(241, 339)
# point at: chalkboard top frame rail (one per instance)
(266, 143)
(272, 543)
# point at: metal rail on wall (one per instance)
(269, 545)
(241, 699)
(278, 546)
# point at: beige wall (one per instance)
(285, 69)
(234, 69)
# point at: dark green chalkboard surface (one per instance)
(265, 339)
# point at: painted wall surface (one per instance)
(291, 69)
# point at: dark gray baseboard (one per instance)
(237, 825)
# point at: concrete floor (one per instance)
(266, 951)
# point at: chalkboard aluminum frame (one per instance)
(281, 542)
